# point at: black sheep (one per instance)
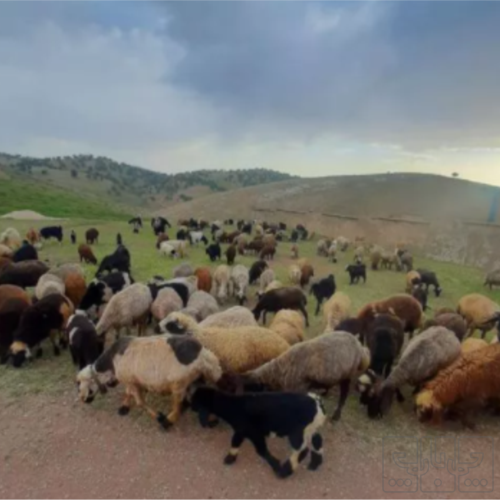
(256, 416)
(25, 252)
(52, 232)
(100, 290)
(429, 278)
(182, 235)
(421, 294)
(119, 260)
(72, 236)
(84, 343)
(213, 251)
(351, 325)
(287, 297)
(323, 290)
(356, 271)
(24, 274)
(256, 270)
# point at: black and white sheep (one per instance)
(256, 269)
(84, 343)
(119, 260)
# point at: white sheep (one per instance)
(166, 302)
(167, 249)
(6, 251)
(239, 282)
(47, 284)
(230, 318)
(201, 305)
(335, 310)
(266, 278)
(294, 274)
(11, 238)
(222, 283)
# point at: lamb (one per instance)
(320, 363)
(230, 254)
(294, 274)
(297, 417)
(403, 306)
(266, 278)
(281, 298)
(25, 252)
(323, 290)
(222, 279)
(256, 270)
(183, 271)
(306, 273)
(471, 344)
(129, 307)
(86, 254)
(479, 312)
(13, 302)
(201, 305)
(84, 344)
(230, 318)
(166, 302)
(492, 278)
(469, 383)
(289, 325)
(167, 249)
(204, 279)
(49, 284)
(213, 251)
(41, 320)
(356, 272)
(24, 274)
(336, 310)
(239, 282)
(452, 321)
(429, 278)
(161, 364)
(238, 349)
(427, 354)
(11, 238)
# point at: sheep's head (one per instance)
(367, 386)
(427, 407)
(438, 291)
(177, 323)
(19, 353)
(89, 383)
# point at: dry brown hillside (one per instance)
(408, 196)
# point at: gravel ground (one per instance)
(55, 447)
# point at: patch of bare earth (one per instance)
(54, 446)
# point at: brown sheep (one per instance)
(161, 238)
(75, 286)
(256, 245)
(204, 279)
(479, 312)
(230, 254)
(92, 236)
(306, 273)
(269, 240)
(23, 274)
(290, 325)
(32, 236)
(267, 253)
(232, 236)
(405, 307)
(242, 246)
(452, 321)
(86, 254)
(444, 310)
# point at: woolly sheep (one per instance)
(294, 274)
(201, 305)
(127, 308)
(183, 271)
(412, 279)
(47, 284)
(290, 325)
(167, 249)
(6, 251)
(492, 278)
(163, 364)
(322, 248)
(266, 278)
(332, 252)
(204, 279)
(335, 310)
(452, 321)
(275, 284)
(239, 282)
(180, 247)
(11, 238)
(222, 283)
(233, 317)
(238, 349)
(166, 302)
(479, 312)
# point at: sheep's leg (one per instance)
(53, 339)
(344, 392)
(260, 445)
(126, 403)
(300, 448)
(236, 442)
(316, 452)
(177, 399)
(304, 312)
(139, 401)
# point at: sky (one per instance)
(307, 88)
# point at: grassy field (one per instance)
(53, 202)
(52, 375)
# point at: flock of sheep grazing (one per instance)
(198, 342)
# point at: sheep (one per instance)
(126, 308)
(267, 252)
(230, 254)
(65, 270)
(41, 320)
(74, 282)
(452, 321)
(266, 278)
(160, 239)
(13, 302)
(375, 258)
(336, 310)
(294, 274)
(428, 278)
(412, 279)
(6, 251)
(86, 254)
(274, 285)
(323, 290)
(469, 383)
(239, 349)
(306, 273)
(119, 260)
(407, 261)
(317, 364)
(425, 355)
(419, 293)
(84, 344)
(180, 247)
(240, 282)
(222, 280)
(444, 310)
(281, 298)
(389, 259)
(162, 364)
(25, 252)
(405, 307)
(201, 305)
(204, 278)
(255, 246)
(167, 301)
(295, 251)
(233, 317)
(11, 238)
(322, 248)
(33, 236)
(356, 272)
(24, 274)
(471, 344)
(183, 271)
(232, 237)
(297, 417)
(191, 283)
(167, 249)
(289, 325)
(241, 247)
(479, 312)
(183, 289)
(359, 254)
(332, 252)
(195, 237)
(48, 284)
(351, 325)
(492, 278)
(92, 236)
(256, 269)
(213, 251)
